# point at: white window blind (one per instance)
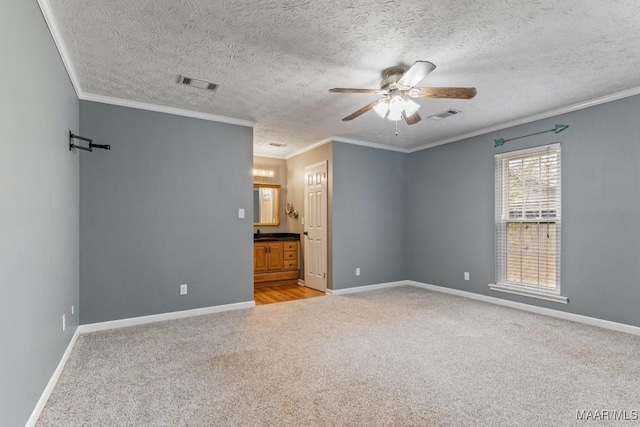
(528, 219)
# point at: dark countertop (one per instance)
(266, 237)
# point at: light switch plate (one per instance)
(240, 213)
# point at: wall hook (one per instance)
(89, 140)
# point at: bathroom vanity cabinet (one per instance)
(275, 262)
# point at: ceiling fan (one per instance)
(398, 86)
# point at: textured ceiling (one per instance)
(276, 60)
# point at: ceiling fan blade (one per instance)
(362, 110)
(349, 90)
(416, 73)
(443, 92)
(412, 119)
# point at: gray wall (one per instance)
(369, 228)
(451, 211)
(38, 209)
(161, 209)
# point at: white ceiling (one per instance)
(276, 60)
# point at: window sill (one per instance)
(528, 292)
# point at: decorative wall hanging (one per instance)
(89, 140)
(556, 129)
(290, 210)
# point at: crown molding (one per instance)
(56, 34)
(336, 139)
(540, 116)
(528, 119)
(50, 19)
(370, 144)
(309, 148)
(47, 12)
(270, 155)
(162, 109)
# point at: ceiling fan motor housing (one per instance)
(391, 76)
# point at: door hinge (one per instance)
(324, 275)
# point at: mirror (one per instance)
(266, 204)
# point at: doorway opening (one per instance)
(290, 248)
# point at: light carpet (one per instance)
(401, 356)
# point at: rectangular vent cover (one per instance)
(200, 84)
(450, 112)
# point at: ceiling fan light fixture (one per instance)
(396, 107)
(410, 107)
(394, 116)
(398, 87)
(382, 108)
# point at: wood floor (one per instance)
(284, 293)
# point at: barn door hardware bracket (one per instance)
(89, 140)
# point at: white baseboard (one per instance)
(300, 282)
(101, 326)
(123, 323)
(606, 324)
(366, 288)
(44, 397)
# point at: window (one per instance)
(527, 221)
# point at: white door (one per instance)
(315, 226)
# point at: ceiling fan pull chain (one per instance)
(396, 127)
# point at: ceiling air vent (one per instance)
(276, 144)
(200, 84)
(450, 112)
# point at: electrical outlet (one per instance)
(358, 271)
(302, 220)
(64, 323)
(72, 310)
(240, 213)
(183, 289)
(466, 275)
